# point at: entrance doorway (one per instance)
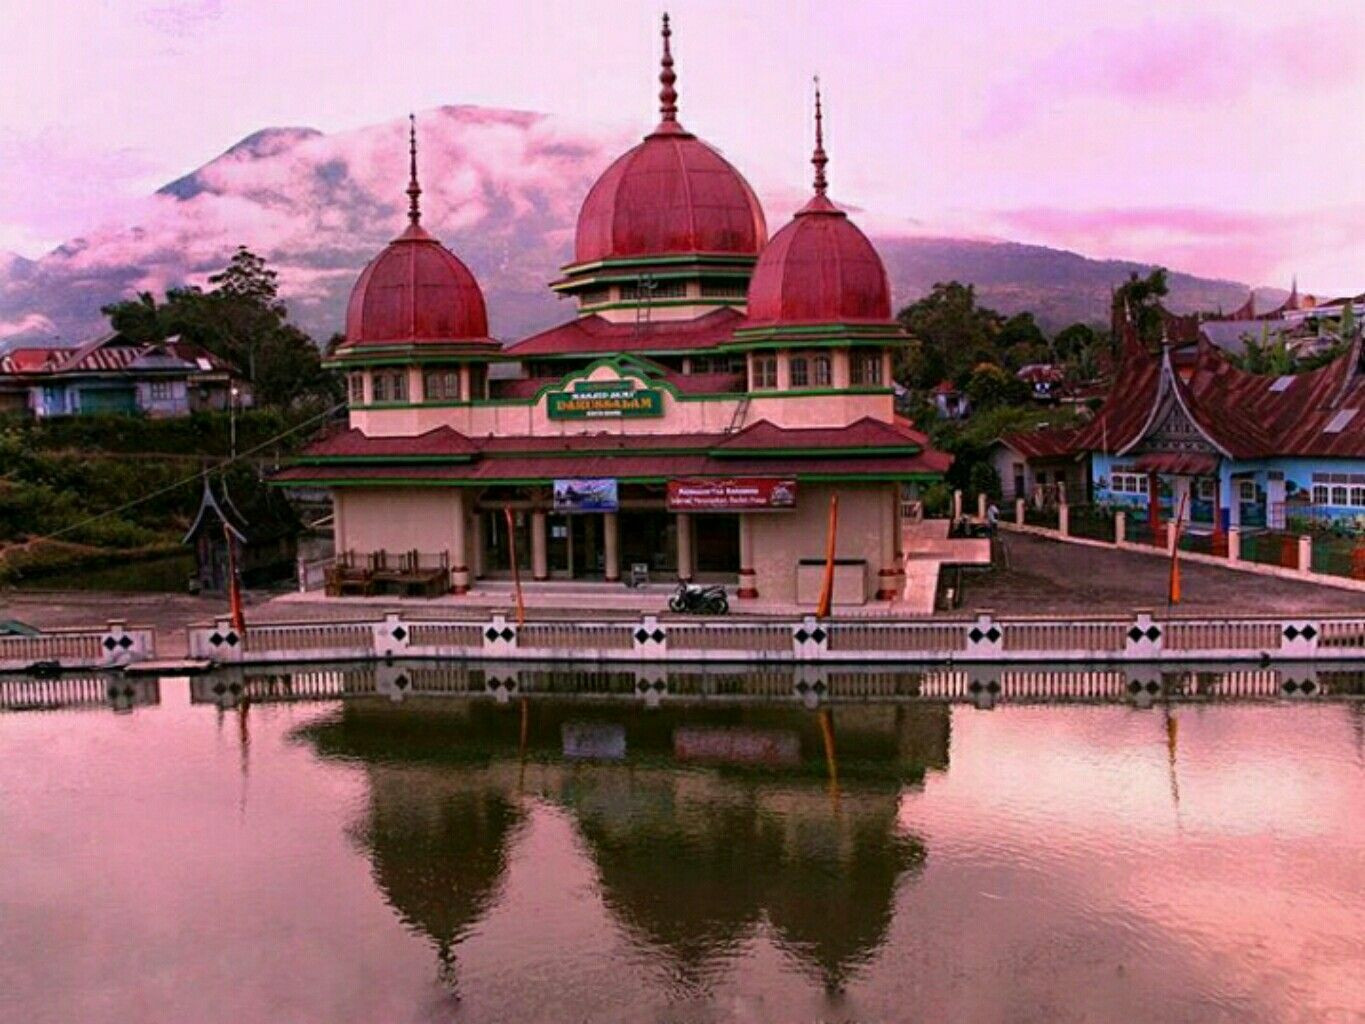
(575, 547)
(716, 537)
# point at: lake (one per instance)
(541, 844)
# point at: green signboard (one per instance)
(593, 398)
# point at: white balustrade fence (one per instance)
(110, 646)
(984, 638)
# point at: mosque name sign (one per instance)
(589, 399)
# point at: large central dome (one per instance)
(671, 194)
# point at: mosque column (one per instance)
(540, 565)
(459, 541)
(476, 542)
(611, 542)
(889, 572)
(685, 562)
(748, 581)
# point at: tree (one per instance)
(1021, 341)
(1140, 299)
(951, 335)
(240, 319)
(990, 387)
(1074, 340)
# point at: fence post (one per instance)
(1064, 519)
(1018, 511)
(1305, 553)
(981, 505)
(1120, 527)
(1234, 544)
(957, 504)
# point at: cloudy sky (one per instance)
(1222, 137)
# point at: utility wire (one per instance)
(189, 479)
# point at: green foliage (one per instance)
(991, 387)
(951, 334)
(983, 479)
(938, 500)
(969, 441)
(1265, 356)
(241, 319)
(1141, 298)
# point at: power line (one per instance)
(189, 479)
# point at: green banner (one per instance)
(592, 398)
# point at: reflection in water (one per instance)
(691, 861)
(476, 843)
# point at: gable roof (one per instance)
(595, 335)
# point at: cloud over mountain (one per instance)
(501, 188)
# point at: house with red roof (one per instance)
(1185, 427)
(114, 374)
(715, 390)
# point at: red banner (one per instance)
(731, 495)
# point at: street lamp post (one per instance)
(232, 420)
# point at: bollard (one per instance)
(957, 505)
(1120, 527)
(1064, 519)
(981, 506)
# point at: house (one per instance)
(1041, 465)
(114, 374)
(697, 417)
(951, 401)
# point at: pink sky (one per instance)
(1219, 138)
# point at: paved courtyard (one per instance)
(1047, 576)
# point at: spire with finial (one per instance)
(668, 96)
(414, 190)
(819, 159)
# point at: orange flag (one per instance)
(516, 572)
(234, 584)
(1174, 595)
(827, 585)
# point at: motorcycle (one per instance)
(699, 600)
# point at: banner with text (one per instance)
(734, 494)
(585, 495)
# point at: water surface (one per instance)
(547, 846)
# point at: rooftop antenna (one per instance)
(414, 190)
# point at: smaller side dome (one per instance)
(416, 291)
(820, 268)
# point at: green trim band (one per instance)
(915, 475)
(712, 258)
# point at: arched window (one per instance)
(765, 373)
(798, 372)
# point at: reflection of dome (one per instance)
(438, 850)
(671, 194)
(416, 291)
(819, 269)
(692, 861)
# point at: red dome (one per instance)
(416, 291)
(671, 194)
(819, 269)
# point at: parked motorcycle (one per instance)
(699, 600)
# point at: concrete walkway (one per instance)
(1047, 577)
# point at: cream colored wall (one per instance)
(782, 539)
(707, 416)
(398, 519)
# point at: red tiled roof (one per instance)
(1247, 415)
(1044, 443)
(356, 444)
(656, 466)
(1181, 463)
(864, 433)
(594, 335)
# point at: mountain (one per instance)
(501, 188)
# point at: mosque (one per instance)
(714, 391)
